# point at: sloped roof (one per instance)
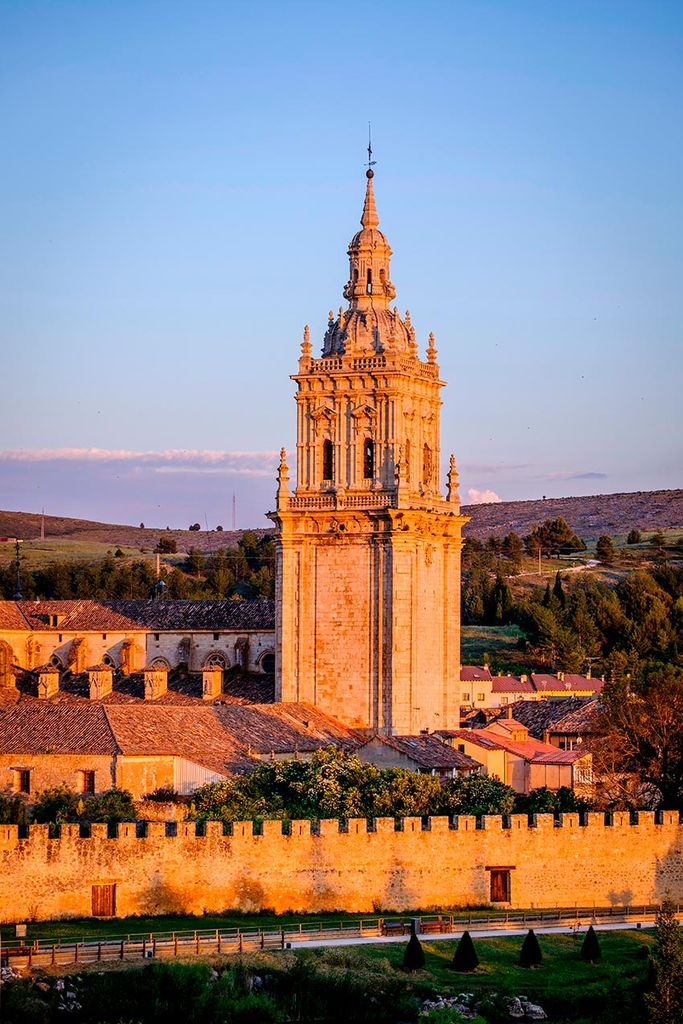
(128, 616)
(582, 719)
(539, 715)
(570, 681)
(430, 752)
(511, 684)
(530, 749)
(470, 673)
(46, 728)
(284, 728)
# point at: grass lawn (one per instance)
(499, 643)
(561, 977)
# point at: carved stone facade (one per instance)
(368, 583)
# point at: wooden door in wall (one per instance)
(104, 900)
(500, 885)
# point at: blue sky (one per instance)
(178, 185)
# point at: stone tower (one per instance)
(368, 582)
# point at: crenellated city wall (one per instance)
(353, 867)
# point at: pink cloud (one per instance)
(486, 497)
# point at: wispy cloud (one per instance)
(486, 497)
(179, 455)
(569, 475)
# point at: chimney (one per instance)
(524, 679)
(560, 676)
(156, 681)
(48, 682)
(212, 682)
(508, 711)
(546, 735)
(100, 681)
(588, 673)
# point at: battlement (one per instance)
(354, 865)
(327, 827)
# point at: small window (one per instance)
(461, 748)
(368, 459)
(500, 885)
(216, 636)
(156, 636)
(504, 700)
(104, 636)
(481, 696)
(88, 782)
(60, 638)
(328, 459)
(465, 696)
(23, 780)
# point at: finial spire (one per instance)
(453, 492)
(282, 493)
(370, 218)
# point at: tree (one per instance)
(477, 794)
(530, 954)
(56, 804)
(413, 957)
(641, 732)
(12, 810)
(142, 526)
(604, 549)
(665, 1002)
(465, 957)
(166, 546)
(553, 537)
(194, 563)
(658, 540)
(590, 947)
(634, 537)
(194, 527)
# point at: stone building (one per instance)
(368, 582)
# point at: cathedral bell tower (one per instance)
(368, 580)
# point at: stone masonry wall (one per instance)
(353, 870)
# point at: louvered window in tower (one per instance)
(368, 459)
(328, 459)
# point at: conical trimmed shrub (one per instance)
(465, 957)
(530, 954)
(590, 950)
(413, 958)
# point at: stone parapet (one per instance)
(352, 866)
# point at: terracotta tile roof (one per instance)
(129, 616)
(511, 684)
(530, 750)
(44, 727)
(470, 673)
(429, 752)
(583, 719)
(544, 682)
(539, 715)
(284, 728)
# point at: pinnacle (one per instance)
(369, 218)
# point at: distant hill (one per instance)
(588, 516)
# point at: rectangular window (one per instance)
(104, 900)
(87, 782)
(156, 636)
(216, 636)
(481, 696)
(465, 696)
(22, 780)
(104, 636)
(504, 700)
(500, 885)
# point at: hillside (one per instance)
(589, 517)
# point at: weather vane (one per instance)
(371, 162)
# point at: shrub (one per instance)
(465, 957)
(634, 537)
(590, 949)
(164, 795)
(166, 546)
(530, 954)
(413, 958)
(12, 810)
